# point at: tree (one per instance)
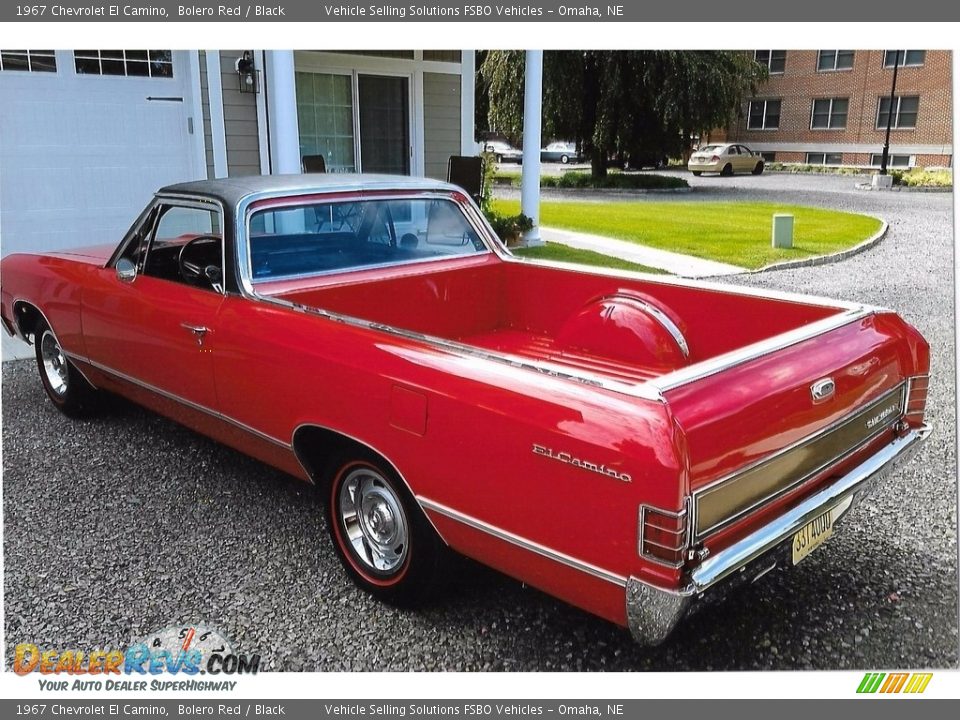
(624, 103)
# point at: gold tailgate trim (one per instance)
(724, 501)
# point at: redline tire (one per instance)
(381, 536)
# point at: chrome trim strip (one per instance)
(790, 448)
(524, 543)
(183, 401)
(707, 368)
(658, 315)
(727, 561)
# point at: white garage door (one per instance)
(82, 152)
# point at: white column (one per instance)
(282, 106)
(468, 79)
(218, 132)
(530, 174)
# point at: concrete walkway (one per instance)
(683, 265)
(14, 348)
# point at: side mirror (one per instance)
(126, 270)
(215, 276)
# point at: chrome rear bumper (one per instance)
(653, 612)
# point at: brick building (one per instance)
(830, 107)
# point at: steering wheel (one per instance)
(190, 271)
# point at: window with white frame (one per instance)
(829, 113)
(764, 115)
(831, 60)
(129, 63)
(876, 159)
(824, 158)
(908, 58)
(775, 60)
(28, 60)
(905, 111)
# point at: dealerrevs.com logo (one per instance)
(894, 683)
(175, 650)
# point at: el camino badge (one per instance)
(822, 389)
(569, 459)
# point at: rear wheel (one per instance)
(381, 535)
(564, 159)
(727, 170)
(65, 386)
(758, 169)
(698, 173)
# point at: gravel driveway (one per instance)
(126, 523)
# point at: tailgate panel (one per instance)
(726, 500)
(747, 414)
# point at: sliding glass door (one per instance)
(358, 122)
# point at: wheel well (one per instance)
(318, 448)
(26, 317)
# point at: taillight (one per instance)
(715, 158)
(917, 398)
(663, 535)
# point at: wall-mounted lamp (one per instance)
(247, 73)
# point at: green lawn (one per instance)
(732, 232)
(562, 253)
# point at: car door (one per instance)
(156, 327)
(745, 160)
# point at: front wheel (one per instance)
(697, 173)
(381, 535)
(63, 383)
(758, 169)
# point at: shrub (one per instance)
(919, 177)
(508, 228)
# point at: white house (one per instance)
(86, 136)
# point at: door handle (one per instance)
(199, 331)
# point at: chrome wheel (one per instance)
(373, 521)
(54, 363)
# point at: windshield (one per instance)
(328, 237)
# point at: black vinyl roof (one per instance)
(230, 191)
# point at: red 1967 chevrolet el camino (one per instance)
(630, 444)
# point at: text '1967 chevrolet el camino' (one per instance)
(631, 444)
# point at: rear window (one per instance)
(711, 148)
(329, 237)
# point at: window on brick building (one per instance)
(764, 115)
(830, 60)
(775, 60)
(769, 156)
(824, 158)
(905, 110)
(829, 114)
(892, 160)
(909, 58)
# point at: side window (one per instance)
(135, 243)
(186, 247)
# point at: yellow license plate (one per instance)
(812, 535)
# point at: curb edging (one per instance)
(816, 260)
